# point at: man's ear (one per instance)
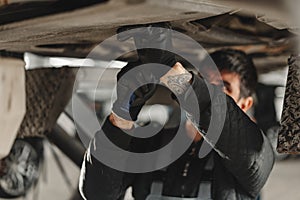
(245, 103)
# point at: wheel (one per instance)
(19, 171)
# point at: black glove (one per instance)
(129, 99)
(156, 37)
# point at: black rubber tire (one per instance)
(21, 168)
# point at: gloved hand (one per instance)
(151, 42)
(130, 97)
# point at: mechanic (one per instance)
(238, 172)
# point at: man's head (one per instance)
(237, 73)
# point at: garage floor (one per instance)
(283, 183)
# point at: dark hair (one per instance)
(238, 62)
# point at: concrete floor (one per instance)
(283, 183)
(55, 186)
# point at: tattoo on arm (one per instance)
(179, 83)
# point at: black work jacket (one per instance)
(243, 158)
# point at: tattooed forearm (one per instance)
(179, 83)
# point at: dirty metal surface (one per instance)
(289, 134)
(47, 93)
(214, 24)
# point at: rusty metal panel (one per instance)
(48, 92)
(289, 134)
